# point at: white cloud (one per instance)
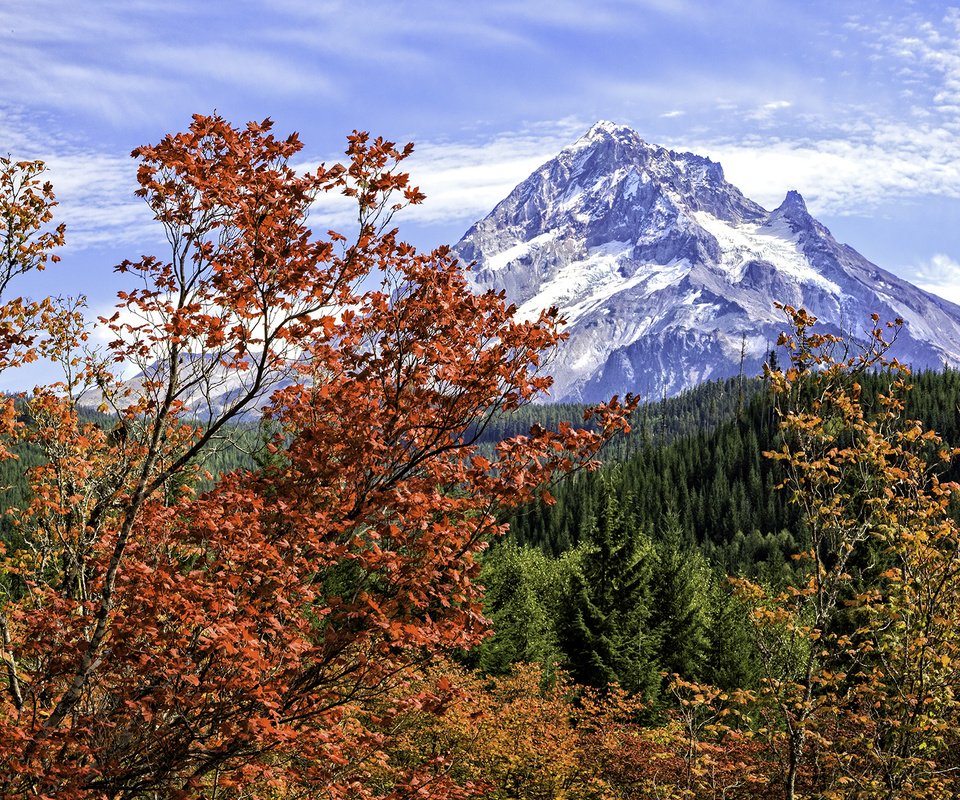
(923, 54)
(843, 174)
(226, 63)
(95, 190)
(940, 49)
(939, 275)
(767, 111)
(463, 181)
(840, 174)
(117, 62)
(71, 59)
(840, 167)
(843, 171)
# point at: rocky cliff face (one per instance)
(665, 272)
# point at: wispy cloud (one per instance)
(375, 33)
(772, 129)
(95, 189)
(766, 112)
(920, 48)
(838, 175)
(940, 49)
(464, 180)
(250, 67)
(53, 57)
(844, 175)
(117, 62)
(939, 275)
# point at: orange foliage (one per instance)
(27, 242)
(861, 660)
(503, 738)
(512, 737)
(261, 639)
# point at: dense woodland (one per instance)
(699, 459)
(411, 580)
(694, 504)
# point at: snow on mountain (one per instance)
(664, 270)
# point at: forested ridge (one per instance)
(415, 581)
(699, 459)
(635, 575)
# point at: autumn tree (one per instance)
(509, 737)
(859, 658)
(158, 642)
(28, 242)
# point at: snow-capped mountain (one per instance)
(664, 271)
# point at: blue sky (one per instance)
(856, 104)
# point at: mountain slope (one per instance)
(664, 271)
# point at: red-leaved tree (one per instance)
(261, 639)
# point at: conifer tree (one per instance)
(604, 631)
(678, 610)
(731, 661)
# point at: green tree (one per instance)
(604, 630)
(519, 583)
(731, 657)
(679, 603)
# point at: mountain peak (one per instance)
(606, 131)
(793, 200)
(604, 126)
(794, 210)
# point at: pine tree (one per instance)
(678, 609)
(603, 630)
(732, 659)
